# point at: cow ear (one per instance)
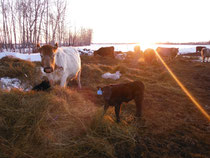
(38, 45)
(56, 46)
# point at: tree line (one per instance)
(28, 22)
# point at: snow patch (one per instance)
(85, 51)
(120, 56)
(113, 76)
(30, 57)
(10, 83)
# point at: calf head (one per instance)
(47, 53)
(106, 92)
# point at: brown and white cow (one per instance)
(60, 64)
(169, 53)
(205, 53)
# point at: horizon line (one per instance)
(189, 43)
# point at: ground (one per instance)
(69, 123)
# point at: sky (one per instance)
(143, 21)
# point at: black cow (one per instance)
(115, 95)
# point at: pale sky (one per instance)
(144, 21)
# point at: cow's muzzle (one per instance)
(48, 69)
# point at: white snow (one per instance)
(120, 56)
(30, 57)
(85, 51)
(113, 76)
(9, 83)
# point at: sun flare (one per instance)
(185, 90)
(147, 44)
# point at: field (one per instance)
(69, 123)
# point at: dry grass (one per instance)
(39, 122)
(69, 122)
(24, 70)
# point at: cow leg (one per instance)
(203, 59)
(63, 81)
(117, 112)
(78, 79)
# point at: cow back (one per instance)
(68, 58)
(167, 52)
(205, 52)
(125, 92)
(105, 51)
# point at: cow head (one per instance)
(47, 53)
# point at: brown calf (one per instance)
(115, 95)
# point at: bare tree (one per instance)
(27, 22)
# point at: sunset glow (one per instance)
(142, 20)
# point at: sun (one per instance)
(147, 44)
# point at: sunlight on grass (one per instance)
(184, 89)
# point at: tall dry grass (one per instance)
(69, 123)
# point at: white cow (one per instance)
(205, 53)
(60, 64)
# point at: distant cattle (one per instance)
(115, 95)
(169, 53)
(60, 64)
(205, 53)
(199, 48)
(137, 49)
(105, 52)
(149, 55)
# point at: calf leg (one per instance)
(106, 106)
(139, 101)
(117, 112)
(63, 81)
